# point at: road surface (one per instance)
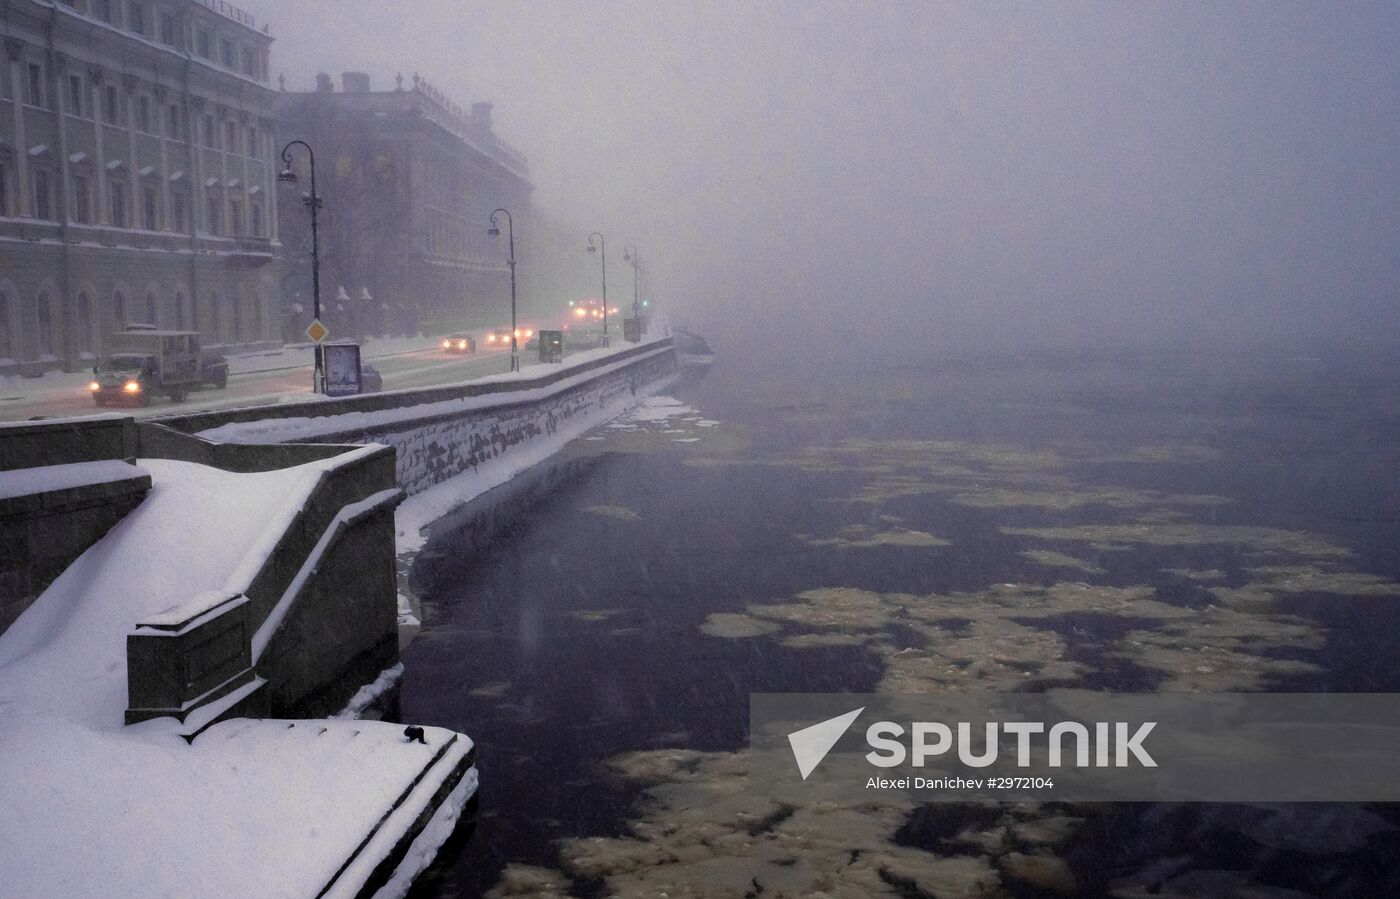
(254, 379)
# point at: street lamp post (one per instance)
(630, 254)
(603, 246)
(313, 202)
(495, 231)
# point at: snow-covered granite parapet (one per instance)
(435, 441)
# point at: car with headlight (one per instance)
(501, 336)
(145, 363)
(459, 343)
(124, 379)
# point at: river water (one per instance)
(598, 624)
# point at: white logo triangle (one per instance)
(811, 744)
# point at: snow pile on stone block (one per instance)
(250, 808)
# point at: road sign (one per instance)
(551, 346)
(317, 331)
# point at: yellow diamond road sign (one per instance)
(317, 331)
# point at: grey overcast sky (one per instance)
(1018, 171)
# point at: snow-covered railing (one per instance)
(64, 441)
(496, 390)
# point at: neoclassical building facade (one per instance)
(137, 176)
(408, 181)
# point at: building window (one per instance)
(149, 206)
(231, 135)
(250, 62)
(119, 311)
(143, 113)
(179, 204)
(7, 349)
(117, 193)
(179, 311)
(84, 322)
(4, 186)
(82, 200)
(112, 106)
(214, 214)
(202, 44)
(167, 29)
(136, 17)
(253, 142)
(210, 134)
(37, 95)
(103, 10)
(235, 217)
(226, 53)
(46, 342)
(43, 194)
(152, 310)
(255, 225)
(172, 121)
(75, 94)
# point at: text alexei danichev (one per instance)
(959, 784)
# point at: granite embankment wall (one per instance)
(440, 432)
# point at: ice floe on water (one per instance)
(666, 423)
(701, 828)
(618, 512)
(659, 408)
(705, 831)
(860, 536)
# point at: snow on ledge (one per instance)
(311, 427)
(52, 478)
